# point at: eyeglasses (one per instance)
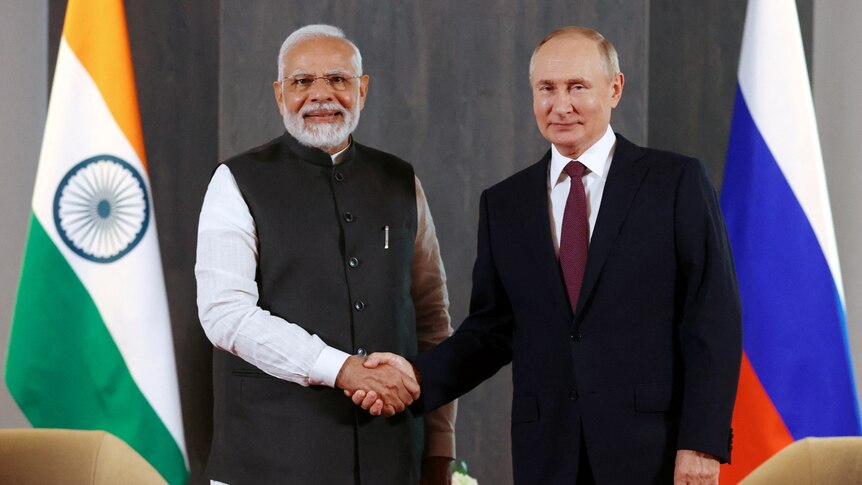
(304, 82)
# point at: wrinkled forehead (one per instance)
(319, 56)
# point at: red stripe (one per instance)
(759, 432)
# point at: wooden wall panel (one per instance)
(694, 56)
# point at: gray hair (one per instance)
(317, 31)
(609, 54)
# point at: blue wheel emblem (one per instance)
(101, 208)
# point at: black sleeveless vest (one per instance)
(335, 246)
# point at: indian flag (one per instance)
(91, 344)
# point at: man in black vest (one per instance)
(313, 251)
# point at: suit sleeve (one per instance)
(711, 325)
(481, 345)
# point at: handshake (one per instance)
(382, 383)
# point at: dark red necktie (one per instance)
(575, 238)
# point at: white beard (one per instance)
(324, 136)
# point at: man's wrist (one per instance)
(699, 454)
(343, 378)
(327, 367)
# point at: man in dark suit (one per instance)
(604, 275)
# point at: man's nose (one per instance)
(562, 104)
(320, 90)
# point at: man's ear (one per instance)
(363, 90)
(617, 89)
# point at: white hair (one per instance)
(317, 31)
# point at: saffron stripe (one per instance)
(96, 32)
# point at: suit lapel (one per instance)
(536, 224)
(624, 179)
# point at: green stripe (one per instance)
(64, 369)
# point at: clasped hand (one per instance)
(383, 383)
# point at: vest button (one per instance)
(361, 351)
(338, 176)
(348, 217)
(359, 305)
(353, 262)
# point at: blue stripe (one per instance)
(793, 322)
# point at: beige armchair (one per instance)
(833, 461)
(49, 456)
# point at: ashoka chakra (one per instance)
(101, 208)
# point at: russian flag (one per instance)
(796, 379)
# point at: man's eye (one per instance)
(303, 81)
(336, 79)
(546, 88)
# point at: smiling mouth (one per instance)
(322, 116)
(564, 125)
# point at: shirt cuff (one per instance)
(326, 367)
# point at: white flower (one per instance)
(459, 478)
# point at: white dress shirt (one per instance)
(597, 159)
(227, 258)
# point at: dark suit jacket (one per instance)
(649, 362)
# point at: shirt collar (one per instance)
(337, 157)
(597, 158)
(317, 156)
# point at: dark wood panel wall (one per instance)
(449, 92)
(694, 54)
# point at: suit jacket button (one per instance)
(359, 305)
(348, 217)
(573, 395)
(339, 176)
(353, 262)
(361, 351)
